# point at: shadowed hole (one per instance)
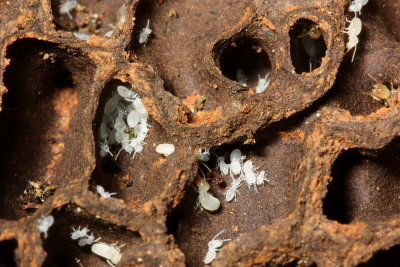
(7, 255)
(307, 46)
(35, 117)
(242, 60)
(387, 258)
(363, 182)
(64, 251)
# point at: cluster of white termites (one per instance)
(44, 223)
(239, 170)
(111, 252)
(124, 123)
(213, 247)
(100, 190)
(83, 236)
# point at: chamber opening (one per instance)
(307, 46)
(243, 60)
(7, 254)
(387, 258)
(364, 181)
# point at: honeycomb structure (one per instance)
(329, 149)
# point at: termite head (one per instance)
(203, 185)
(313, 32)
(379, 90)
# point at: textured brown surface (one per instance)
(329, 149)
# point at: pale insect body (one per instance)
(236, 160)
(232, 190)
(165, 149)
(44, 223)
(207, 201)
(223, 167)
(213, 247)
(356, 5)
(260, 179)
(249, 175)
(88, 240)
(144, 35)
(263, 83)
(100, 190)
(78, 233)
(111, 252)
(353, 30)
(66, 6)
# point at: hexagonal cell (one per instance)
(64, 251)
(36, 122)
(307, 46)
(276, 152)
(242, 59)
(135, 177)
(363, 182)
(86, 17)
(178, 51)
(7, 253)
(387, 258)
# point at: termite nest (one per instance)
(318, 129)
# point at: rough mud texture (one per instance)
(329, 149)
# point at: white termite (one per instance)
(81, 36)
(111, 252)
(207, 201)
(66, 6)
(88, 240)
(125, 92)
(236, 161)
(145, 33)
(260, 179)
(263, 83)
(104, 150)
(133, 119)
(165, 149)
(223, 167)
(213, 247)
(100, 190)
(44, 223)
(78, 233)
(249, 174)
(357, 5)
(353, 30)
(232, 190)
